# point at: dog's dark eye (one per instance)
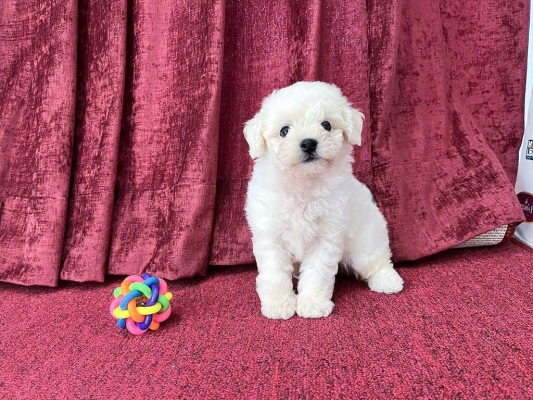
(326, 125)
(284, 131)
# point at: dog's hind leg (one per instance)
(376, 269)
(385, 280)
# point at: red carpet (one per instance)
(462, 328)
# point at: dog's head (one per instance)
(305, 126)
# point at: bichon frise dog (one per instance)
(306, 211)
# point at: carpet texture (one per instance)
(462, 328)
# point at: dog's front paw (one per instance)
(310, 307)
(279, 308)
(385, 281)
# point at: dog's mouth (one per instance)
(308, 158)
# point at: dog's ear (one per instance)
(253, 132)
(354, 125)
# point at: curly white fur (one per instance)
(306, 211)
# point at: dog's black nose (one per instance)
(308, 145)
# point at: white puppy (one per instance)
(305, 209)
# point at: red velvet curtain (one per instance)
(121, 145)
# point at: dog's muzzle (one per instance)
(308, 147)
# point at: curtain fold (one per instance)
(101, 77)
(38, 43)
(166, 181)
(121, 145)
(446, 118)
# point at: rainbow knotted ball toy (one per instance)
(141, 303)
